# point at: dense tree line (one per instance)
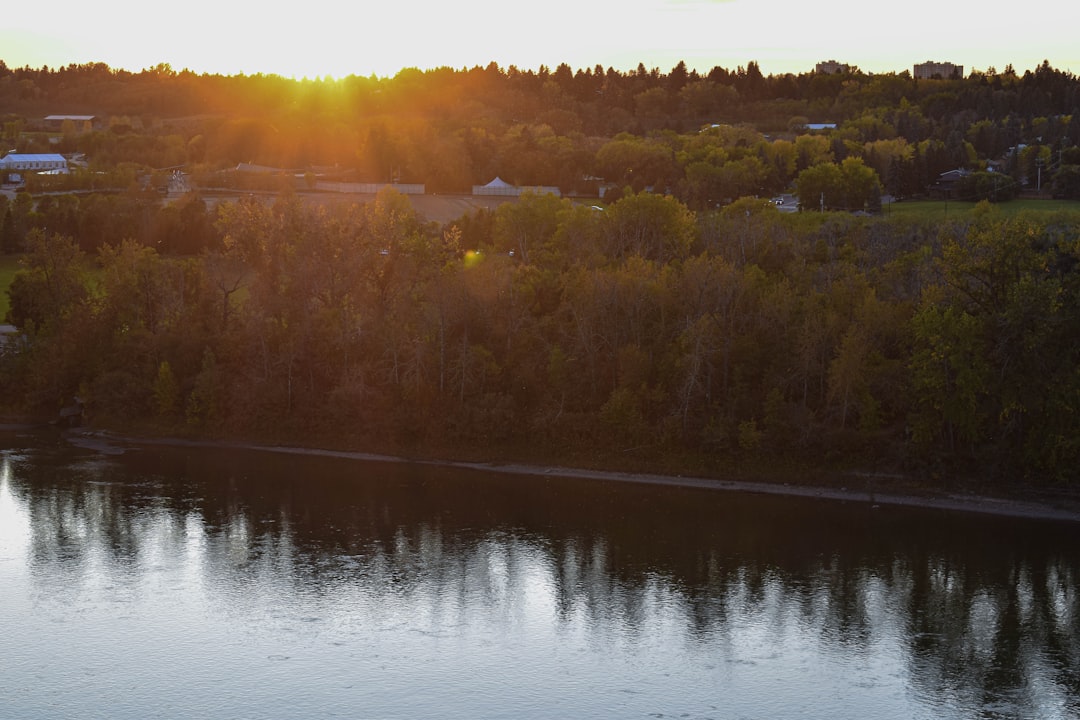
(92, 220)
(643, 331)
(450, 129)
(687, 322)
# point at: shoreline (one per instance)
(1061, 508)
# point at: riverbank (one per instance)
(868, 488)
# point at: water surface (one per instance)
(171, 583)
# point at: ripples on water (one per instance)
(168, 583)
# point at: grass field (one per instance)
(941, 209)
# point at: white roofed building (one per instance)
(33, 162)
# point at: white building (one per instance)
(45, 162)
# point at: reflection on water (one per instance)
(188, 583)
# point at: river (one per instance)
(170, 582)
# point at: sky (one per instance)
(319, 38)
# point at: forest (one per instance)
(680, 323)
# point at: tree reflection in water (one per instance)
(986, 609)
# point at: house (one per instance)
(15, 163)
(945, 185)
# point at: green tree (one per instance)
(1065, 184)
(990, 186)
(635, 162)
(141, 290)
(951, 378)
(820, 187)
(655, 227)
(50, 283)
(851, 185)
(811, 150)
(993, 367)
(861, 186)
(9, 238)
(205, 400)
(705, 100)
(527, 228)
(166, 390)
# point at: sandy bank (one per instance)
(1058, 507)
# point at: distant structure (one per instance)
(931, 69)
(9, 338)
(301, 178)
(14, 163)
(81, 123)
(500, 187)
(831, 67)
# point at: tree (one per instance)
(950, 377)
(1066, 183)
(861, 186)
(811, 150)
(703, 100)
(20, 212)
(651, 108)
(527, 228)
(141, 290)
(994, 369)
(991, 186)
(204, 402)
(820, 187)
(703, 186)
(750, 82)
(9, 238)
(848, 186)
(655, 227)
(166, 390)
(627, 160)
(50, 283)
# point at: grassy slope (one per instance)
(941, 209)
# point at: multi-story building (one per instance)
(831, 67)
(931, 69)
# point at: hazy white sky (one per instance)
(314, 38)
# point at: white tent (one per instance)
(498, 186)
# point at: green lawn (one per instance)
(941, 209)
(8, 265)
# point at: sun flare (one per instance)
(320, 38)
